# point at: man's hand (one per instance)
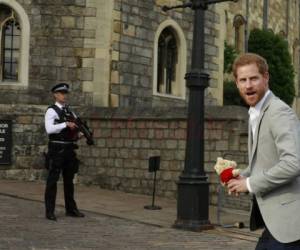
(71, 125)
(237, 185)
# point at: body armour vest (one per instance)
(66, 134)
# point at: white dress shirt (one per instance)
(254, 113)
(50, 117)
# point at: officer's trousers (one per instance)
(63, 160)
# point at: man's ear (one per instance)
(236, 83)
(266, 75)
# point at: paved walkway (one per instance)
(115, 220)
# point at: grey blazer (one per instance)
(274, 169)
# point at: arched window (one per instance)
(169, 66)
(167, 61)
(14, 43)
(239, 30)
(10, 44)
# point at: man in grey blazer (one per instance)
(273, 174)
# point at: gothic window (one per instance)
(10, 50)
(167, 59)
(10, 44)
(239, 30)
(14, 45)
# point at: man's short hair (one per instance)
(250, 58)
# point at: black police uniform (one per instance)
(62, 158)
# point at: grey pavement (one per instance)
(114, 220)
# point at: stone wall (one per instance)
(29, 141)
(57, 36)
(133, 51)
(125, 139)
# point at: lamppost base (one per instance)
(152, 207)
(193, 203)
(196, 226)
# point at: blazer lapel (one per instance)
(250, 141)
(255, 137)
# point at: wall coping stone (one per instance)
(224, 113)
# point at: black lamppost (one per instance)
(193, 186)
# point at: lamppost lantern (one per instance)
(193, 185)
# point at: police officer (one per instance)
(61, 153)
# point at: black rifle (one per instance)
(82, 125)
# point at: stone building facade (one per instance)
(125, 61)
(115, 53)
(282, 17)
(135, 63)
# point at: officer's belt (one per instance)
(62, 142)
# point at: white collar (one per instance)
(257, 108)
(59, 105)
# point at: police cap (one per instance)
(60, 87)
